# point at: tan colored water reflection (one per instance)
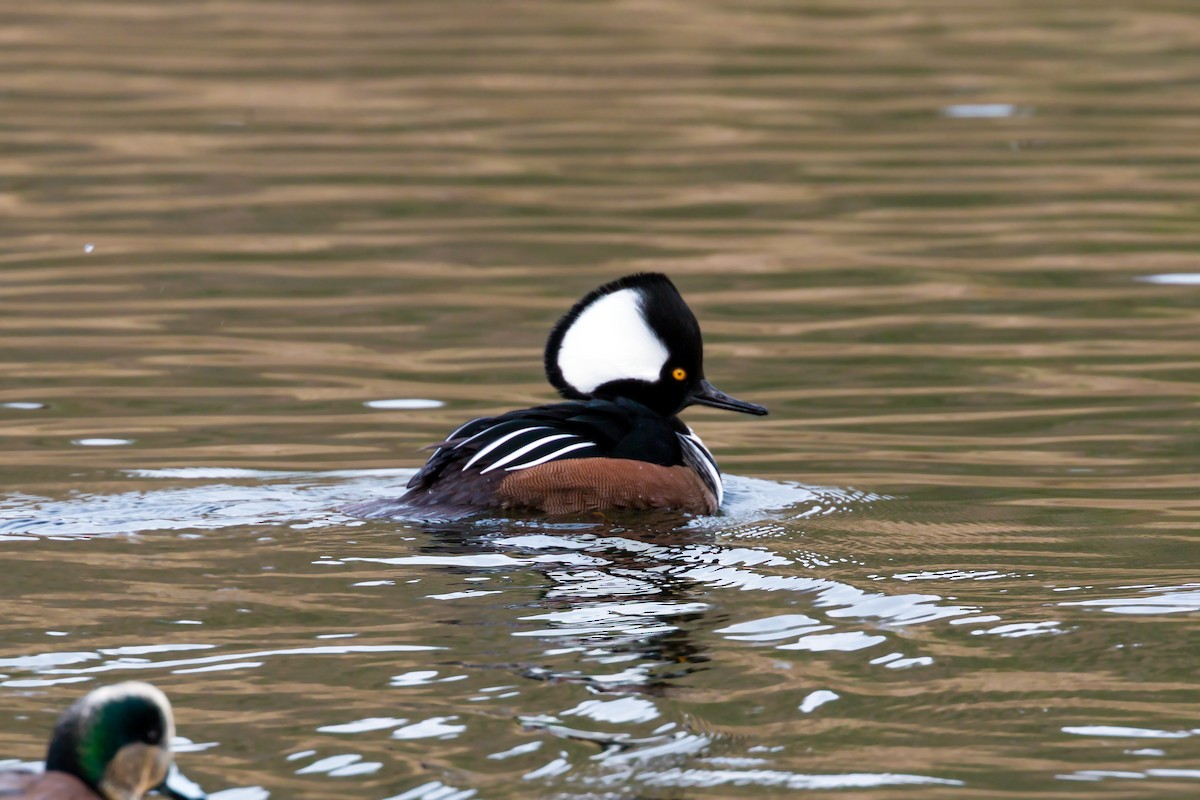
(916, 230)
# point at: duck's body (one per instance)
(112, 744)
(571, 457)
(628, 357)
(43, 786)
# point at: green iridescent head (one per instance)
(116, 739)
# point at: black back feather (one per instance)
(619, 428)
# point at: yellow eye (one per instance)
(679, 374)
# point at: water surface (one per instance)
(952, 247)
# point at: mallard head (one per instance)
(117, 740)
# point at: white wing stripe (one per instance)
(703, 450)
(710, 464)
(550, 457)
(499, 442)
(515, 454)
(456, 431)
(465, 425)
(472, 438)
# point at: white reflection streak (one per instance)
(682, 744)
(342, 766)
(556, 767)
(1170, 600)
(38, 683)
(846, 642)
(432, 728)
(817, 699)
(853, 602)
(621, 710)
(1174, 278)
(146, 649)
(1101, 774)
(982, 110)
(477, 560)
(364, 725)
(295, 651)
(219, 667)
(1017, 630)
(1125, 732)
(624, 617)
(790, 780)
(434, 790)
(715, 567)
(519, 750)
(240, 793)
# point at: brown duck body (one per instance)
(573, 486)
(44, 786)
(619, 455)
(595, 484)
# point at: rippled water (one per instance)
(256, 255)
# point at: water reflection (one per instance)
(625, 617)
(622, 613)
(1148, 600)
(435, 790)
(41, 663)
(952, 245)
(615, 621)
(305, 499)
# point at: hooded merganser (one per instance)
(113, 743)
(628, 357)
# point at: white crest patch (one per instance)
(611, 341)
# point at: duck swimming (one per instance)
(112, 744)
(628, 358)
